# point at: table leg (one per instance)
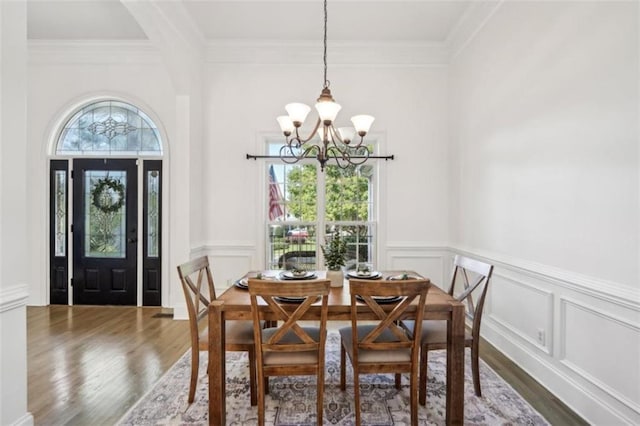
(455, 367)
(216, 367)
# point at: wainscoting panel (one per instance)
(432, 262)
(524, 309)
(13, 370)
(228, 262)
(589, 351)
(597, 354)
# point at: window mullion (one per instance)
(320, 212)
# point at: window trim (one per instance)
(321, 222)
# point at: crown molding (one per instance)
(92, 52)
(286, 52)
(259, 52)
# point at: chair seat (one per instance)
(291, 358)
(434, 331)
(236, 333)
(199, 290)
(374, 356)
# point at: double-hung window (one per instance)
(306, 206)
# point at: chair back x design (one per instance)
(289, 349)
(199, 291)
(383, 346)
(474, 277)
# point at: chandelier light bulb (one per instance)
(328, 111)
(362, 123)
(286, 125)
(297, 112)
(346, 134)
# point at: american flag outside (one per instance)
(275, 196)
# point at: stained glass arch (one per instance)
(110, 128)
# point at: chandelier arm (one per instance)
(311, 135)
(348, 148)
(353, 156)
(359, 144)
(335, 135)
(310, 149)
(288, 155)
(345, 160)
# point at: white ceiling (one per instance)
(300, 20)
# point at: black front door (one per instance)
(105, 232)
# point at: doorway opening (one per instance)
(105, 213)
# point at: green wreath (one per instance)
(108, 195)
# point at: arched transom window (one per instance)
(109, 128)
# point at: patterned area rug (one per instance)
(291, 400)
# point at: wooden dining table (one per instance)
(234, 304)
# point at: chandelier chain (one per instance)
(335, 143)
(324, 57)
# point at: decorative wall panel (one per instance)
(524, 309)
(595, 343)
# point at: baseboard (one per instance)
(180, 313)
(581, 400)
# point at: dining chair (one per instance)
(383, 346)
(474, 277)
(289, 349)
(194, 275)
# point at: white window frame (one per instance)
(321, 222)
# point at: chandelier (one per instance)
(334, 143)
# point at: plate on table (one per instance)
(372, 275)
(289, 275)
(382, 299)
(284, 299)
(242, 283)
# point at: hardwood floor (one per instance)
(89, 365)
(550, 407)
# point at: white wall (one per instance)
(13, 219)
(533, 130)
(544, 128)
(64, 76)
(242, 101)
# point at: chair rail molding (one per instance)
(430, 260)
(602, 289)
(229, 260)
(13, 297)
